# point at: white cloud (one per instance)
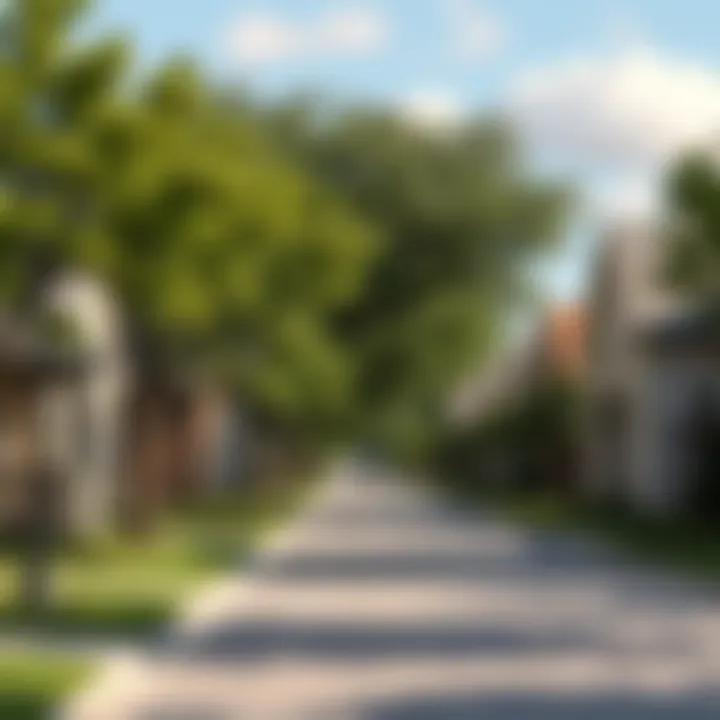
(432, 110)
(631, 196)
(262, 38)
(257, 38)
(474, 31)
(629, 112)
(354, 30)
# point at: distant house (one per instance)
(559, 347)
(229, 443)
(182, 442)
(638, 375)
(557, 373)
(32, 369)
(556, 348)
(682, 415)
(526, 391)
(132, 433)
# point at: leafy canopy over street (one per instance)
(338, 269)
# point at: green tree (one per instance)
(214, 241)
(320, 262)
(692, 193)
(460, 222)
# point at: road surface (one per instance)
(385, 604)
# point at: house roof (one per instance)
(565, 341)
(558, 345)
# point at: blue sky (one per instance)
(607, 92)
(417, 52)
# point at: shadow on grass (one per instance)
(130, 588)
(683, 543)
(26, 707)
(128, 622)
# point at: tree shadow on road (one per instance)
(701, 705)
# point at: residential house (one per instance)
(682, 416)
(181, 443)
(131, 434)
(558, 347)
(32, 369)
(633, 396)
(530, 377)
(556, 375)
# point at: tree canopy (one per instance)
(322, 262)
(460, 221)
(693, 192)
(209, 235)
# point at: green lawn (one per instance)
(32, 684)
(123, 587)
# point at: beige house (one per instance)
(30, 368)
(684, 413)
(128, 435)
(649, 363)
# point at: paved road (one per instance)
(383, 604)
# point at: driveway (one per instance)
(383, 603)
